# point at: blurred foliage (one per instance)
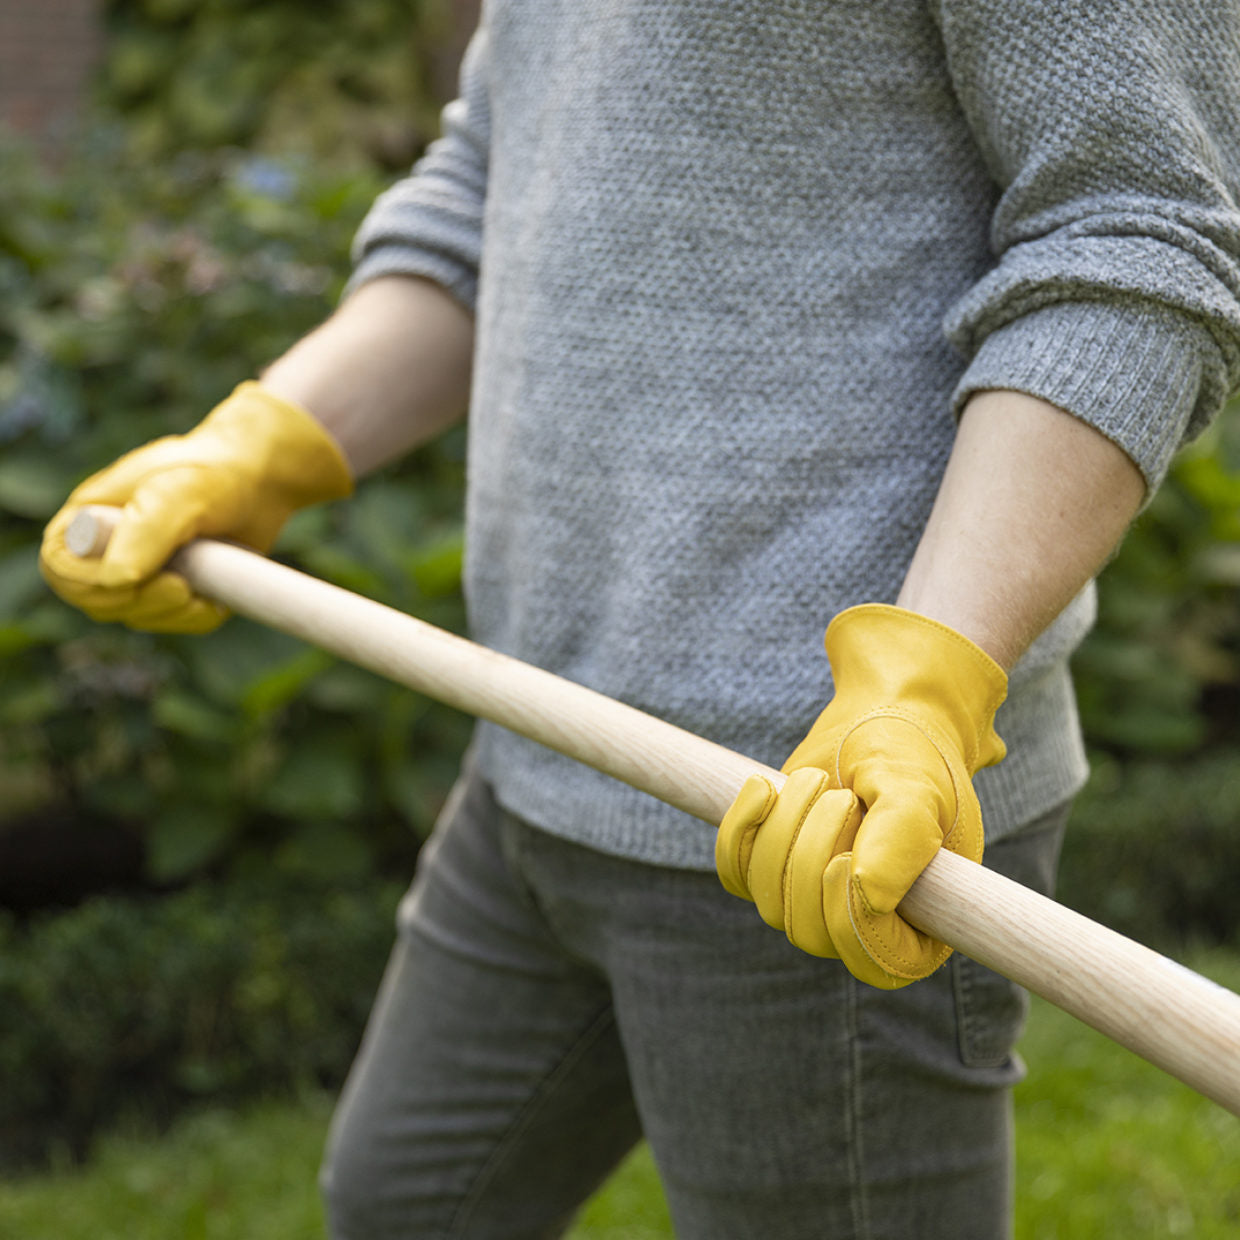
(214, 993)
(134, 296)
(1154, 850)
(1154, 845)
(358, 81)
(1160, 675)
(200, 226)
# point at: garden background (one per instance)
(202, 840)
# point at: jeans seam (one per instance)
(856, 1151)
(961, 988)
(517, 837)
(525, 1115)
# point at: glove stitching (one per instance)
(891, 962)
(928, 731)
(744, 855)
(785, 877)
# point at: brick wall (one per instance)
(48, 49)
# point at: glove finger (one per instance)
(159, 514)
(884, 952)
(734, 841)
(911, 794)
(889, 751)
(829, 828)
(198, 616)
(63, 571)
(967, 836)
(773, 842)
(114, 484)
(897, 840)
(164, 513)
(165, 604)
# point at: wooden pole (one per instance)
(1170, 1016)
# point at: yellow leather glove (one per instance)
(880, 783)
(239, 474)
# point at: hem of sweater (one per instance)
(1131, 370)
(1046, 767)
(574, 802)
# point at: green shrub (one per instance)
(357, 82)
(214, 993)
(1154, 847)
(135, 295)
(140, 279)
(1154, 850)
(1160, 675)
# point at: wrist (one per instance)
(387, 372)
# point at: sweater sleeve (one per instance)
(430, 222)
(1112, 131)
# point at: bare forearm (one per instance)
(1033, 503)
(388, 371)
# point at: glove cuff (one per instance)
(295, 451)
(886, 655)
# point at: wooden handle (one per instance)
(1176, 1019)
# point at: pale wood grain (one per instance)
(1170, 1016)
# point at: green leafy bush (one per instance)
(134, 296)
(140, 279)
(214, 993)
(1154, 850)
(358, 82)
(1160, 675)
(1154, 847)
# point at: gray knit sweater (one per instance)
(734, 263)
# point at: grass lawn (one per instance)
(1108, 1147)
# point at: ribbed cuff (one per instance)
(401, 260)
(1133, 371)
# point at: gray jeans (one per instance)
(547, 1005)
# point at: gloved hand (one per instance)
(239, 474)
(880, 783)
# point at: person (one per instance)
(766, 315)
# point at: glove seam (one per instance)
(892, 963)
(931, 734)
(785, 877)
(747, 837)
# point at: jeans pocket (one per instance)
(990, 1010)
(990, 1013)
